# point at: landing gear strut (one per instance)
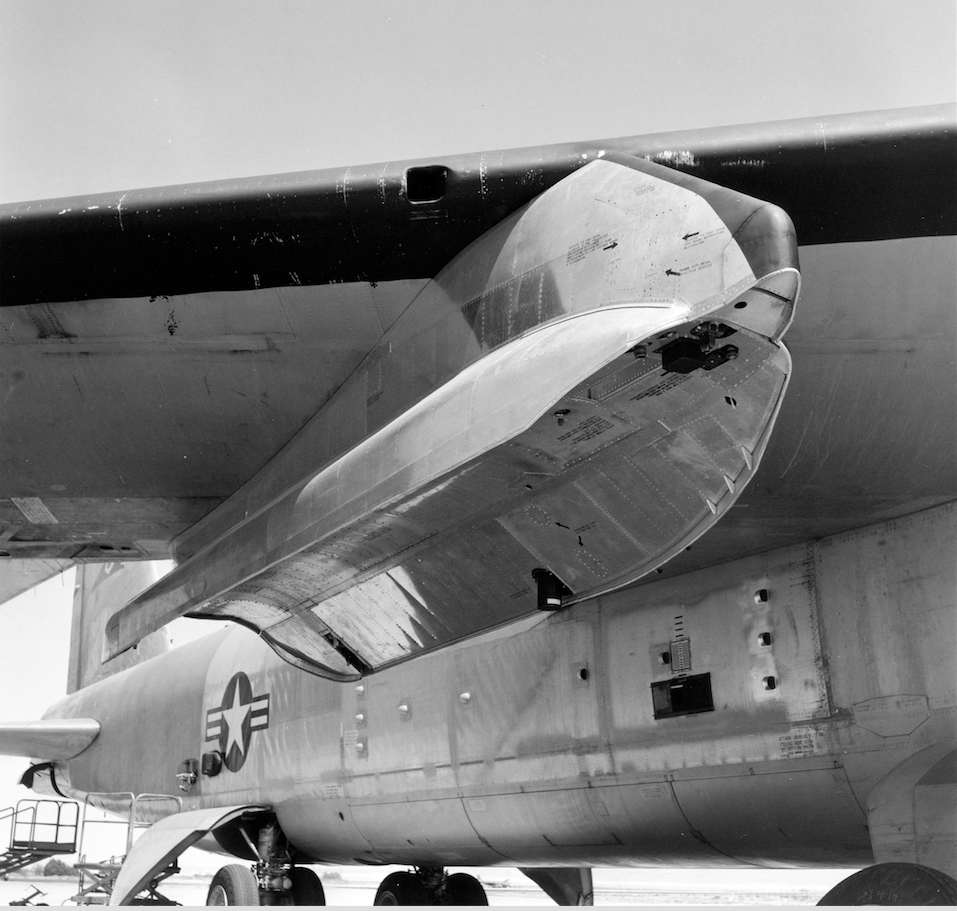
(431, 886)
(272, 881)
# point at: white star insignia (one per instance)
(235, 716)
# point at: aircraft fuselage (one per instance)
(733, 714)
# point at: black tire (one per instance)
(233, 885)
(402, 889)
(894, 884)
(464, 889)
(306, 887)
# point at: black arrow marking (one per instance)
(611, 246)
(692, 234)
(671, 272)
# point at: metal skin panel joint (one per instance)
(558, 438)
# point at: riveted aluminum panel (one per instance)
(779, 815)
(720, 612)
(888, 593)
(423, 830)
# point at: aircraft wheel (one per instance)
(233, 885)
(402, 889)
(464, 889)
(306, 887)
(894, 884)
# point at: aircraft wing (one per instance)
(51, 740)
(262, 378)
(20, 575)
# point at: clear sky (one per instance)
(107, 95)
(101, 95)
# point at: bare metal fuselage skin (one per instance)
(538, 744)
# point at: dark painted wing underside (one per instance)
(841, 179)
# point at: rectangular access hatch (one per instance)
(682, 696)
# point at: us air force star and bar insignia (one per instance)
(232, 723)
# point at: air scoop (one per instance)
(607, 372)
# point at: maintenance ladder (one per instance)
(40, 829)
(37, 830)
(133, 811)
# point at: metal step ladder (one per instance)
(130, 812)
(37, 830)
